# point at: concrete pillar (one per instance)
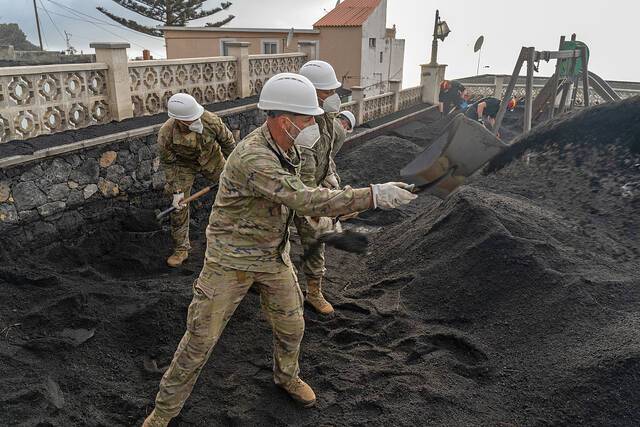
(431, 77)
(7, 52)
(310, 49)
(499, 84)
(357, 94)
(241, 51)
(115, 56)
(394, 86)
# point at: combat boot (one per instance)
(300, 392)
(177, 258)
(315, 298)
(154, 420)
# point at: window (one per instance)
(269, 48)
(372, 43)
(381, 57)
(224, 46)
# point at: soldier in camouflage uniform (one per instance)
(248, 243)
(193, 141)
(319, 169)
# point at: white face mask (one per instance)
(197, 126)
(331, 104)
(306, 137)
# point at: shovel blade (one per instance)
(464, 145)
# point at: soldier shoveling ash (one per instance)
(248, 242)
(318, 169)
(192, 142)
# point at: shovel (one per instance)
(191, 198)
(146, 221)
(463, 148)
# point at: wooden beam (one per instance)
(528, 103)
(510, 87)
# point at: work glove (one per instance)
(392, 195)
(321, 225)
(177, 198)
(331, 182)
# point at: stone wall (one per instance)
(60, 196)
(12, 58)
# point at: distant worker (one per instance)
(347, 120)
(192, 142)
(318, 169)
(487, 109)
(452, 95)
(248, 242)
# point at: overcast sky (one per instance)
(608, 27)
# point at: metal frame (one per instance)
(530, 55)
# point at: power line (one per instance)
(93, 20)
(51, 19)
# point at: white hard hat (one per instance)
(183, 106)
(321, 75)
(349, 116)
(290, 92)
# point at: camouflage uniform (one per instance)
(248, 243)
(183, 155)
(317, 164)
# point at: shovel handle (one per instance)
(191, 198)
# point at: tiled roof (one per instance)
(350, 13)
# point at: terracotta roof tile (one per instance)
(350, 13)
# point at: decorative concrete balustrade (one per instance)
(52, 98)
(263, 67)
(489, 85)
(208, 80)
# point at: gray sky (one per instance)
(506, 25)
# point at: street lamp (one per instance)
(440, 31)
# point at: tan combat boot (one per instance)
(315, 297)
(154, 420)
(179, 256)
(300, 392)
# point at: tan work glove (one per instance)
(392, 195)
(331, 182)
(321, 225)
(177, 199)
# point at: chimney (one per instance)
(146, 55)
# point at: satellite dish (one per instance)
(478, 44)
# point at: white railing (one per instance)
(486, 89)
(377, 106)
(263, 67)
(208, 80)
(410, 97)
(51, 98)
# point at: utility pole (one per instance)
(70, 49)
(35, 9)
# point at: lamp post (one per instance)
(440, 31)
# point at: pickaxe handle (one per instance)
(191, 198)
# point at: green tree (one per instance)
(169, 12)
(13, 35)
